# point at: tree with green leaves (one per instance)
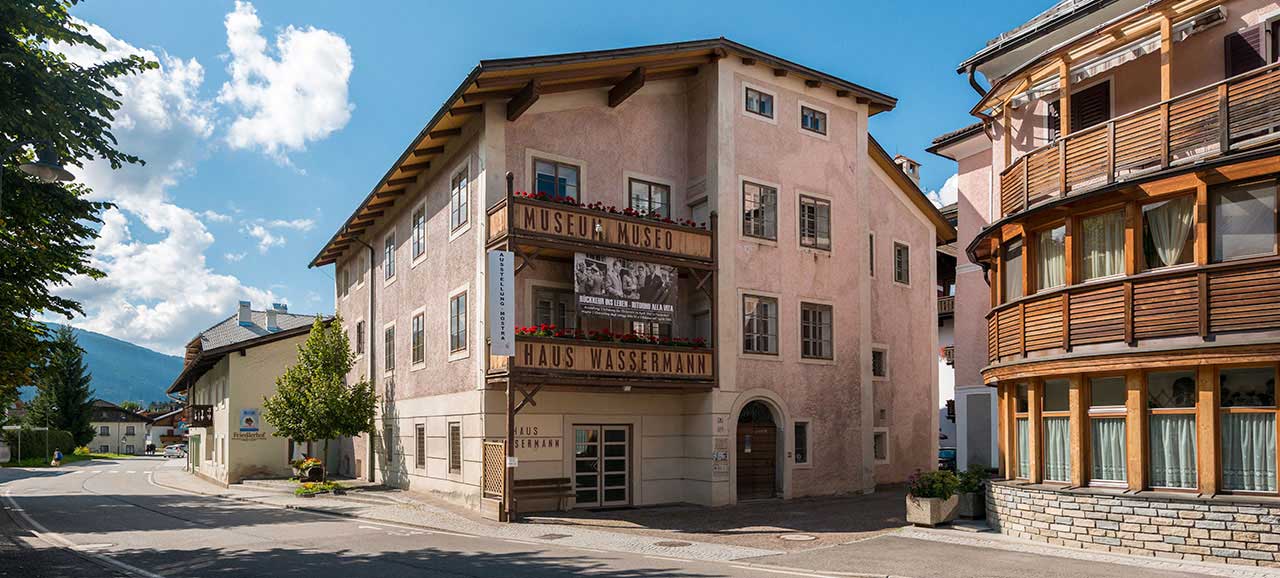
(47, 229)
(130, 405)
(313, 401)
(64, 398)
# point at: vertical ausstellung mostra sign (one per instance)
(502, 314)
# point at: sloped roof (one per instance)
(230, 332)
(102, 407)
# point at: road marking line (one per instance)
(131, 472)
(523, 542)
(762, 569)
(55, 539)
(665, 558)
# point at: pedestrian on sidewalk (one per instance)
(57, 458)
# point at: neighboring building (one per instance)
(946, 265)
(117, 430)
(1121, 199)
(227, 371)
(816, 380)
(167, 428)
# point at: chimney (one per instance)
(281, 307)
(272, 325)
(908, 166)
(245, 316)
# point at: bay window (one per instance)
(1171, 425)
(1168, 232)
(1051, 258)
(1244, 221)
(1248, 398)
(1102, 245)
(1012, 262)
(1057, 430)
(1023, 431)
(1107, 430)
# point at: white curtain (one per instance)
(1173, 451)
(1013, 271)
(1249, 451)
(1057, 449)
(1024, 449)
(1170, 223)
(1051, 256)
(1108, 449)
(1103, 245)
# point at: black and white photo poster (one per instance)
(624, 289)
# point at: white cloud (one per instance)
(266, 238)
(295, 224)
(234, 257)
(947, 194)
(215, 217)
(286, 99)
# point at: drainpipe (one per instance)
(369, 333)
(974, 82)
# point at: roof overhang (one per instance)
(517, 83)
(203, 361)
(945, 231)
(962, 143)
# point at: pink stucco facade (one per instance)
(694, 136)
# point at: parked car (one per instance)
(947, 459)
(175, 451)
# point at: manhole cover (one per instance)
(798, 537)
(672, 544)
(552, 536)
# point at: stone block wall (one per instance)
(1234, 530)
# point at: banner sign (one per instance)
(595, 227)
(249, 420)
(571, 356)
(616, 288)
(502, 304)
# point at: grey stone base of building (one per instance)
(1227, 529)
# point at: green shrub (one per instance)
(972, 479)
(33, 442)
(937, 484)
(313, 488)
(82, 451)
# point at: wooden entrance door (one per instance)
(601, 465)
(757, 453)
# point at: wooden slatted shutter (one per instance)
(1091, 106)
(1244, 50)
(1055, 120)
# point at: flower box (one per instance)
(931, 511)
(972, 506)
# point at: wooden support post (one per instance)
(1164, 135)
(1135, 429)
(1035, 398)
(1202, 221)
(1002, 431)
(1111, 152)
(1008, 431)
(1207, 430)
(1166, 57)
(1064, 98)
(1079, 418)
(1007, 137)
(1224, 121)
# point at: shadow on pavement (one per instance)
(93, 513)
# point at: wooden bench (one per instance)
(560, 489)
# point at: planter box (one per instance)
(931, 511)
(973, 506)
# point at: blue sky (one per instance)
(245, 180)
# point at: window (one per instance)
(759, 102)
(128, 430)
(1168, 232)
(815, 223)
(813, 120)
(104, 430)
(880, 446)
(759, 324)
(344, 283)
(759, 211)
(104, 449)
(1102, 246)
(1089, 106)
(455, 447)
(360, 338)
(364, 266)
(802, 442)
(1248, 429)
(650, 198)
(702, 326)
(419, 241)
(871, 254)
(420, 446)
(555, 307)
(418, 338)
(1244, 223)
(129, 449)
(1057, 430)
(1011, 275)
(557, 180)
(879, 363)
(458, 322)
(1171, 425)
(389, 348)
(651, 329)
(389, 257)
(1022, 430)
(459, 197)
(901, 263)
(815, 331)
(1107, 429)
(1051, 258)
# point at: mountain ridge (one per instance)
(121, 370)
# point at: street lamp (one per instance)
(47, 166)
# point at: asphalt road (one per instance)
(110, 519)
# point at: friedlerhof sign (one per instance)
(502, 310)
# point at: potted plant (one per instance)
(972, 499)
(932, 498)
(308, 469)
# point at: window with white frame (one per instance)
(389, 256)
(419, 233)
(556, 180)
(418, 339)
(759, 211)
(650, 198)
(801, 442)
(129, 430)
(389, 348)
(759, 102)
(880, 446)
(129, 449)
(455, 447)
(458, 322)
(815, 331)
(879, 363)
(815, 223)
(813, 120)
(459, 200)
(104, 449)
(901, 263)
(759, 324)
(1107, 397)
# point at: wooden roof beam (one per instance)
(629, 85)
(426, 152)
(401, 182)
(444, 133)
(524, 99)
(415, 166)
(466, 110)
(811, 83)
(472, 97)
(381, 204)
(615, 70)
(779, 72)
(603, 82)
(748, 61)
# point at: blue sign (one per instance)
(249, 420)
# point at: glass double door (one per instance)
(602, 465)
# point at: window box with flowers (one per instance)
(550, 331)
(629, 212)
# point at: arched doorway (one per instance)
(757, 452)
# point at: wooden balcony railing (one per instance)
(1230, 116)
(571, 360)
(1204, 301)
(947, 305)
